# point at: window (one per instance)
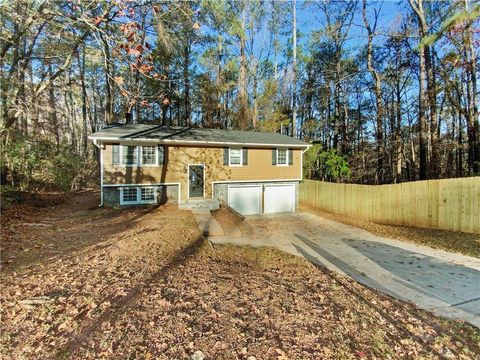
(129, 195)
(138, 195)
(129, 155)
(235, 157)
(148, 195)
(137, 155)
(282, 157)
(149, 155)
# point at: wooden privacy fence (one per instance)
(448, 204)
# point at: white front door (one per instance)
(279, 198)
(247, 200)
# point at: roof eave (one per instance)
(194, 142)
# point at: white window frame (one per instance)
(286, 157)
(139, 150)
(241, 157)
(139, 200)
(141, 155)
(154, 200)
(123, 202)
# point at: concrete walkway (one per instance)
(443, 282)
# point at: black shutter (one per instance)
(115, 154)
(161, 154)
(290, 157)
(225, 156)
(245, 156)
(274, 156)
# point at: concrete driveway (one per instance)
(443, 282)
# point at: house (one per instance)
(253, 172)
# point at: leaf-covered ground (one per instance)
(143, 283)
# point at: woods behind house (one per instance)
(386, 98)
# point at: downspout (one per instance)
(301, 161)
(100, 147)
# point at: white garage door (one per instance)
(279, 198)
(247, 200)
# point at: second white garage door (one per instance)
(247, 200)
(279, 198)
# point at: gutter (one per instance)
(194, 142)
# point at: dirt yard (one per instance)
(90, 283)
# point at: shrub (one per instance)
(325, 165)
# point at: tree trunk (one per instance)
(378, 93)
(186, 84)
(53, 112)
(294, 84)
(472, 108)
(108, 83)
(242, 79)
(84, 104)
(422, 94)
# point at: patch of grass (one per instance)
(453, 241)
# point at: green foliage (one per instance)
(457, 19)
(20, 161)
(37, 164)
(325, 165)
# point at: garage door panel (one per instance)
(279, 199)
(245, 199)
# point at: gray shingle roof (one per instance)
(166, 134)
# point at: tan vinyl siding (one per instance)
(177, 158)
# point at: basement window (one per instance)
(148, 195)
(129, 195)
(138, 195)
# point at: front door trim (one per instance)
(188, 180)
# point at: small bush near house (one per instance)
(325, 165)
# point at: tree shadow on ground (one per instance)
(421, 272)
(122, 304)
(414, 313)
(64, 231)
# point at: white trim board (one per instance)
(141, 184)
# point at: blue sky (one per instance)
(310, 18)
